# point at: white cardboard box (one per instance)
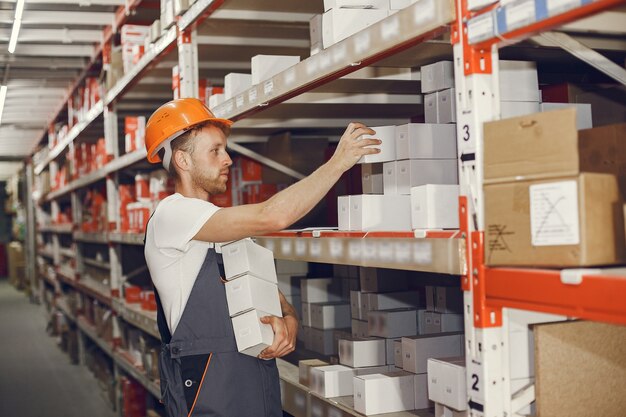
(216, 99)
(332, 381)
(320, 290)
(448, 300)
(330, 316)
(417, 350)
(304, 370)
(251, 335)
(306, 314)
(583, 112)
(392, 323)
(384, 393)
(315, 30)
(446, 106)
(264, 67)
(323, 341)
(372, 178)
(510, 109)
(397, 352)
(343, 212)
(387, 135)
(431, 111)
(360, 328)
(369, 212)
(339, 24)
(355, 4)
(425, 141)
(382, 280)
(246, 257)
(437, 76)
(236, 83)
(442, 322)
(421, 392)
(519, 81)
(390, 177)
(416, 172)
(359, 353)
(355, 305)
(289, 284)
(390, 301)
(389, 351)
(248, 293)
(447, 383)
(435, 206)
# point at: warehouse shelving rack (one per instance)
(476, 36)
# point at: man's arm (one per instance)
(291, 204)
(285, 331)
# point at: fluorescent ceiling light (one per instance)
(3, 95)
(19, 9)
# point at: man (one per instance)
(202, 374)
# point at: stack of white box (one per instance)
(251, 293)
(444, 311)
(289, 274)
(324, 312)
(519, 89)
(132, 37)
(422, 155)
(447, 386)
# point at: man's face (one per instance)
(210, 161)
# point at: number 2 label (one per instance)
(475, 382)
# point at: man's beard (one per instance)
(211, 186)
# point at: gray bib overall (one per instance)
(202, 373)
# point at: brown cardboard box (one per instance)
(580, 369)
(550, 233)
(547, 145)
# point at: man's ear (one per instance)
(181, 159)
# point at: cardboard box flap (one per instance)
(534, 146)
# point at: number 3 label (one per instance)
(466, 133)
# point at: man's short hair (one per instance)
(186, 142)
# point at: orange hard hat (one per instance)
(172, 120)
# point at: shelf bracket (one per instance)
(585, 54)
(522, 398)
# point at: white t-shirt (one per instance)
(173, 258)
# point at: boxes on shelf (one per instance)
(392, 323)
(390, 301)
(446, 382)
(568, 221)
(431, 322)
(330, 315)
(339, 24)
(369, 212)
(416, 350)
(246, 257)
(435, 206)
(382, 280)
(519, 81)
(361, 353)
(387, 136)
(320, 290)
(248, 292)
(251, 335)
(132, 35)
(438, 76)
(332, 381)
(425, 141)
(583, 112)
(236, 83)
(304, 368)
(134, 133)
(510, 109)
(384, 393)
(360, 328)
(264, 67)
(416, 172)
(372, 178)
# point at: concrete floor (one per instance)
(36, 377)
